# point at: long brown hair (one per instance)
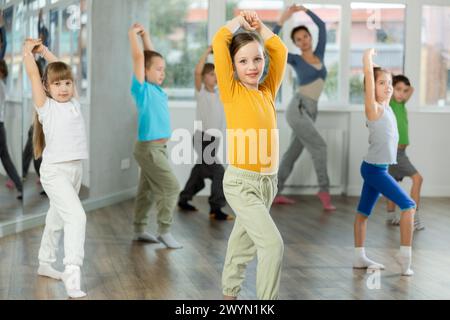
(55, 71)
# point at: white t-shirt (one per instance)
(64, 131)
(2, 100)
(209, 110)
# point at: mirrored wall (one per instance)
(62, 26)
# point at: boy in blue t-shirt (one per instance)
(157, 182)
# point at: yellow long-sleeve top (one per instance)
(252, 134)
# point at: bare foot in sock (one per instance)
(72, 281)
(46, 270)
(405, 264)
(325, 198)
(366, 263)
(169, 241)
(145, 237)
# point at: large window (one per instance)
(435, 59)
(179, 32)
(381, 26)
(73, 42)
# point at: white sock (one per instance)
(169, 241)
(145, 237)
(46, 270)
(360, 260)
(404, 258)
(72, 281)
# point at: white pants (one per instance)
(62, 182)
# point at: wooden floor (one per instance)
(317, 262)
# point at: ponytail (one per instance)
(38, 137)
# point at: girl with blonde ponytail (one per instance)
(60, 138)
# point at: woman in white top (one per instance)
(60, 137)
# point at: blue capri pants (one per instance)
(378, 181)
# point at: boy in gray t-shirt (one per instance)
(210, 114)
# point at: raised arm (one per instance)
(222, 58)
(322, 41)
(45, 53)
(137, 54)
(199, 68)
(371, 108)
(146, 40)
(37, 89)
(285, 16)
(276, 50)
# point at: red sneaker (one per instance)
(326, 201)
(9, 184)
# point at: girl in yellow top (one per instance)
(250, 181)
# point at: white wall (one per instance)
(112, 117)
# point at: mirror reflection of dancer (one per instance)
(7, 163)
(301, 113)
(10, 169)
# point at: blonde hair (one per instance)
(55, 71)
